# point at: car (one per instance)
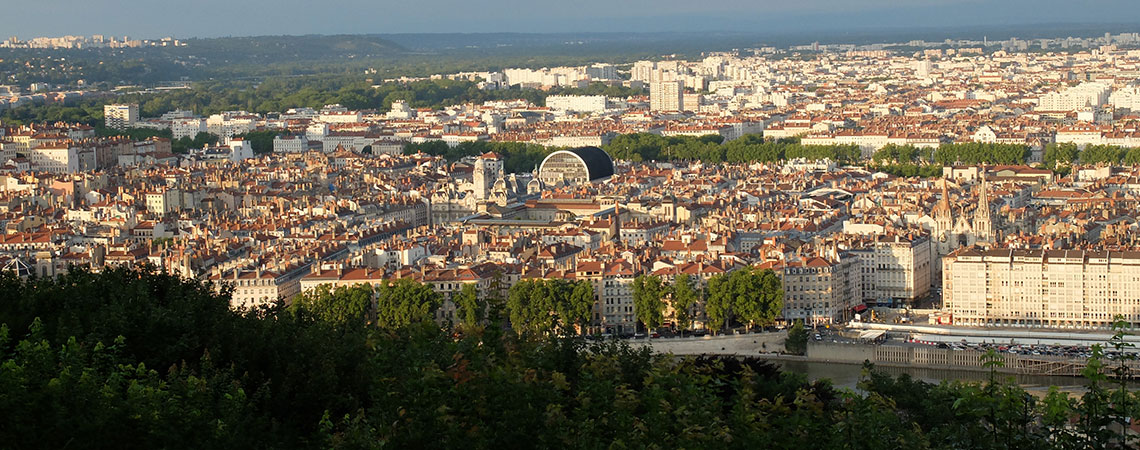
(818, 337)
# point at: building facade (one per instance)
(820, 292)
(895, 269)
(1041, 288)
(667, 96)
(120, 115)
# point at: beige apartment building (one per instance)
(895, 269)
(1041, 288)
(820, 292)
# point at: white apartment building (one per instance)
(240, 149)
(1126, 98)
(643, 71)
(180, 128)
(577, 103)
(1041, 288)
(401, 111)
(1083, 96)
(163, 202)
(1081, 135)
(348, 140)
(120, 115)
(255, 288)
(56, 158)
(290, 144)
(339, 116)
(602, 71)
(317, 131)
(177, 114)
(231, 123)
(667, 96)
(579, 140)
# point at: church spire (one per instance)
(985, 196)
(944, 203)
(983, 225)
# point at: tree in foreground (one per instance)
(134, 359)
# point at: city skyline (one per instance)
(520, 224)
(213, 18)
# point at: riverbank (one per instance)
(1012, 336)
(847, 376)
(751, 344)
(771, 346)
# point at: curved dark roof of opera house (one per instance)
(598, 162)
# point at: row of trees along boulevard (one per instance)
(748, 296)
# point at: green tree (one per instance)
(1093, 409)
(262, 140)
(470, 307)
(649, 301)
(1062, 154)
(1123, 404)
(1097, 154)
(342, 305)
(1056, 410)
(797, 340)
(542, 307)
(752, 295)
(576, 312)
(404, 302)
(148, 360)
(718, 306)
(771, 299)
(684, 297)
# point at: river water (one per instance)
(847, 375)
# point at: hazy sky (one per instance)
(210, 18)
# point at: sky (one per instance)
(214, 18)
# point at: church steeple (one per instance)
(943, 206)
(943, 214)
(983, 224)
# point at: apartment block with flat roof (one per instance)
(1041, 288)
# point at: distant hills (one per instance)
(291, 48)
(421, 54)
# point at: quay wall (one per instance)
(939, 358)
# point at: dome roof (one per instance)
(598, 162)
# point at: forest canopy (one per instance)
(130, 358)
